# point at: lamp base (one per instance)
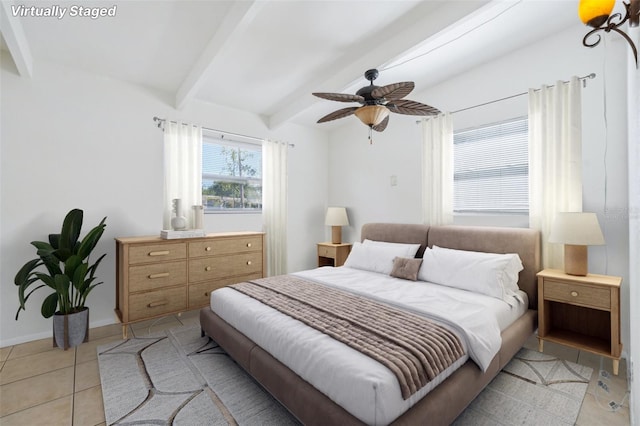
(576, 260)
(336, 235)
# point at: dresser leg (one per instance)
(124, 332)
(616, 365)
(540, 345)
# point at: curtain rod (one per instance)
(160, 121)
(584, 84)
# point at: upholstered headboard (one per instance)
(525, 242)
(397, 233)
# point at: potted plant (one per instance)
(68, 272)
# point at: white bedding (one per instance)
(364, 387)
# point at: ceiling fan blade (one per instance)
(340, 97)
(383, 125)
(344, 112)
(393, 91)
(407, 107)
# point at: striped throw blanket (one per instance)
(414, 348)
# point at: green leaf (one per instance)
(62, 254)
(78, 277)
(71, 228)
(49, 305)
(54, 240)
(62, 284)
(90, 240)
(23, 299)
(92, 269)
(70, 266)
(44, 249)
(23, 274)
(47, 279)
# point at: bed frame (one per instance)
(446, 401)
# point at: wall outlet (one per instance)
(394, 180)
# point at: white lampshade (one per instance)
(576, 231)
(580, 229)
(336, 216)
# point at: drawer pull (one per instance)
(208, 268)
(248, 244)
(574, 293)
(206, 294)
(248, 262)
(160, 275)
(156, 304)
(207, 249)
(159, 253)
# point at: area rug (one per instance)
(176, 377)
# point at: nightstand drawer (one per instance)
(327, 251)
(577, 294)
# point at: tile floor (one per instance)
(41, 385)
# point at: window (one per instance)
(491, 168)
(231, 176)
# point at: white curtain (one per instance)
(182, 170)
(555, 160)
(437, 170)
(274, 205)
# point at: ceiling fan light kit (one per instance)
(377, 102)
(372, 115)
(597, 14)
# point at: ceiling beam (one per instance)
(421, 23)
(13, 35)
(236, 21)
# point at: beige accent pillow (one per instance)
(406, 268)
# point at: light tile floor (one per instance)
(41, 385)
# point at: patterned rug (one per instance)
(179, 378)
(533, 389)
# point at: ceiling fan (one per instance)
(377, 102)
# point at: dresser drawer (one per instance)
(200, 294)
(157, 253)
(224, 266)
(223, 246)
(157, 275)
(155, 303)
(577, 294)
(327, 251)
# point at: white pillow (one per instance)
(492, 274)
(404, 250)
(373, 257)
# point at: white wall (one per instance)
(72, 139)
(359, 173)
(634, 226)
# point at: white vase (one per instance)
(198, 213)
(178, 222)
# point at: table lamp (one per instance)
(576, 231)
(336, 218)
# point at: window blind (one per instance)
(491, 171)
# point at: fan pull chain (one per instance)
(370, 135)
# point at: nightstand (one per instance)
(581, 312)
(330, 254)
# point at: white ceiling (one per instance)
(267, 56)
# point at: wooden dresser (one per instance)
(156, 277)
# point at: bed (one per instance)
(287, 376)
